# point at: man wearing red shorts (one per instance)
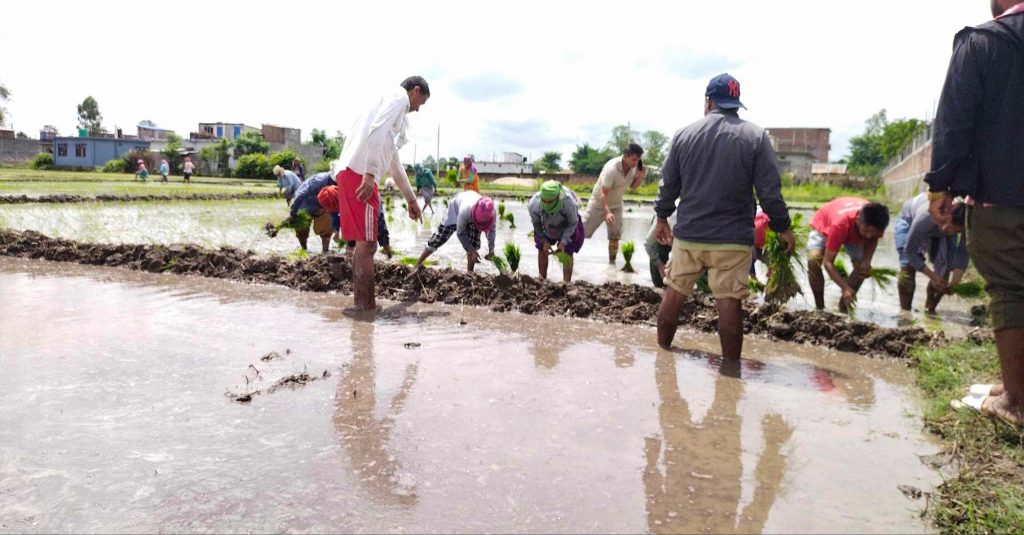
(371, 149)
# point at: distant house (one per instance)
(511, 163)
(282, 135)
(797, 149)
(229, 131)
(153, 133)
(828, 171)
(92, 151)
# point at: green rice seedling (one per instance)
(702, 284)
(969, 290)
(411, 261)
(841, 268)
(754, 285)
(628, 249)
(298, 254)
(513, 255)
(501, 209)
(530, 234)
(782, 282)
(883, 277)
(563, 258)
(500, 264)
(302, 220)
(511, 220)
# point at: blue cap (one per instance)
(724, 91)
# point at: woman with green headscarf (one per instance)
(557, 226)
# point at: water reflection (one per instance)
(693, 476)
(365, 437)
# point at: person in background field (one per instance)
(557, 226)
(164, 170)
(142, 173)
(916, 235)
(605, 204)
(187, 168)
(712, 170)
(425, 185)
(299, 169)
(307, 198)
(977, 151)
(850, 223)
(468, 176)
(469, 215)
(287, 181)
(371, 149)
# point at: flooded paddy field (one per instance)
(120, 415)
(41, 188)
(240, 223)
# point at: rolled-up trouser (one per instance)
(594, 218)
(995, 241)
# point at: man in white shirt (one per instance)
(605, 204)
(371, 149)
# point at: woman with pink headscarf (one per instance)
(469, 215)
(468, 176)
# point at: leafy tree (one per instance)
(172, 152)
(453, 162)
(588, 160)
(5, 95)
(146, 122)
(255, 165)
(217, 156)
(881, 142)
(318, 137)
(251, 142)
(430, 163)
(622, 136)
(22, 135)
(51, 129)
(654, 144)
(89, 116)
(551, 161)
(332, 146)
(332, 150)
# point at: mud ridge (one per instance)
(61, 198)
(610, 302)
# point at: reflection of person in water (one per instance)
(697, 485)
(364, 437)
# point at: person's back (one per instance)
(719, 158)
(990, 81)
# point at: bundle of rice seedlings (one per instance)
(883, 277)
(628, 249)
(782, 284)
(841, 268)
(301, 221)
(703, 286)
(500, 264)
(969, 290)
(563, 258)
(754, 285)
(513, 255)
(411, 261)
(501, 209)
(511, 219)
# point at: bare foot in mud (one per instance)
(358, 313)
(388, 252)
(999, 406)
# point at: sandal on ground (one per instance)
(983, 404)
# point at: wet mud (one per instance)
(106, 197)
(609, 302)
(254, 376)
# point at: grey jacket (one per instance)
(713, 168)
(558, 226)
(924, 237)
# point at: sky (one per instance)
(527, 77)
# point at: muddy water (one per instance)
(114, 418)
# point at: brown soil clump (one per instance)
(610, 302)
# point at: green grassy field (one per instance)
(18, 174)
(988, 494)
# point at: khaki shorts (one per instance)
(727, 271)
(995, 240)
(594, 218)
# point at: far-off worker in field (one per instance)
(307, 198)
(469, 179)
(557, 226)
(916, 235)
(371, 149)
(854, 225)
(426, 186)
(287, 181)
(713, 168)
(187, 169)
(164, 170)
(299, 169)
(142, 173)
(469, 215)
(605, 204)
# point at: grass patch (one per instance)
(988, 494)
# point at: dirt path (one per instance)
(610, 302)
(62, 198)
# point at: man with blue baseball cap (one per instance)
(713, 168)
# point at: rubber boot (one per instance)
(613, 250)
(932, 299)
(906, 285)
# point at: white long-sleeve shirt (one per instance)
(373, 141)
